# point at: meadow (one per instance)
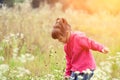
(27, 51)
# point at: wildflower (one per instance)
(49, 77)
(3, 78)
(22, 58)
(118, 63)
(26, 57)
(106, 66)
(20, 75)
(1, 48)
(29, 57)
(72, 78)
(21, 36)
(15, 50)
(80, 77)
(6, 40)
(110, 57)
(14, 56)
(4, 68)
(21, 71)
(12, 35)
(4, 8)
(17, 34)
(2, 58)
(115, 79)
(118, 53)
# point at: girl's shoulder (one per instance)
(79, 34)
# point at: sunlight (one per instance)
(92, 6)
(109, 5)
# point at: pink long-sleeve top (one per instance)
(78, 54)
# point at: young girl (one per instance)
(80, 63)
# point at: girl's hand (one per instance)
(105, 50)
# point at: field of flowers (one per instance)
(27, 51)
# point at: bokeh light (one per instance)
(92, 6)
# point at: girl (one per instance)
(80, 63)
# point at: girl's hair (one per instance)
(60, 28)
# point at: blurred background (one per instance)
(90, 6)
(27, 51)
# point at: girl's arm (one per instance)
(68, 64)
(68, 67)
(87, 43)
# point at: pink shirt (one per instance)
(78, 54)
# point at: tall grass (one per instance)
(28, 52)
